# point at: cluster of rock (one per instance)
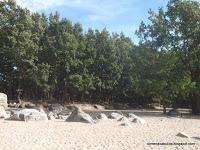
(57, 111)
(125, 121)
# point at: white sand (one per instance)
(60, 135)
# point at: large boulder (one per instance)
(79, 116)
(29, 115)
(3, 100)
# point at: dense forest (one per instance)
(50, 58)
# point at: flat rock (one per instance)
(182, 134)
(116, 116)
(79, 116)
(29, 115)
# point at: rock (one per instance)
(182, 134)
(124, 119)
(13, 105)
(136, 118)
(125, 124)
(29, 115)
(174, 113)
(56, 108)
(139, 120)
(51, 116)
(79, 116)
(131, 115)
(41, 109)
(29, 105)
(3, 100)
(115, 116)
(62, 117)
(102, 116)
(25, 104)
(2, 112)
(99, 107)
(196, 138)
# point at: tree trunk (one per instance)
(164, 109)
(195, 96)
(195, 104)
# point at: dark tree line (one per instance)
(51, 58)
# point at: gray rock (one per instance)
(196, 137)
(174, 113)
(56, 108)
(182, 134)
(115, 116)
(29, 115)
(102, 116)
(136, 118)
(79, 116)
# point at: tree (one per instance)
(178, 30)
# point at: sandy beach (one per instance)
(105, 135)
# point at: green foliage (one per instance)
(177, 29)
(52, 58)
